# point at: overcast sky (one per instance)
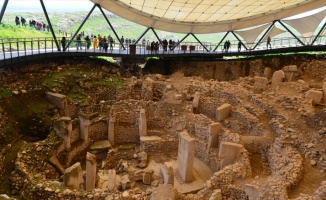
(51, 5)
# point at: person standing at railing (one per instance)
(105, 43)
(78, 40)
(111, 42)
(122, 40)
(88, 42)
(63, 43)
(239, 46)
(269, 42)
(95, 42)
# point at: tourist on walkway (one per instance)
(78, 39)
(111, 42)
(63, 43)
(239, 46)
(95, 42)
(88, 42)
(269, 42)
(105, 44)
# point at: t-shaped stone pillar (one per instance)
(59, 100)
(111, 130)
(142, 123)
(84, 123)
(186, 152)
(73, 176)
(63, 128)
(214, 129)
(90, 171)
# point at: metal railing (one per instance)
(21, 48)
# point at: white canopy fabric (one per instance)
(307, 25)
(251, 35)
(206, 16)
(273, 32)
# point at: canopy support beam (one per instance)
(81, 25)
(291, 32)
(318, 34)
(199, 42)
(266, 32)
(50, 25)
(5, 3)
(238, 39)
(221, 41)
(107, 20)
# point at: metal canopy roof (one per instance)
(206, 16)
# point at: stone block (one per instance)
(167, 173)
(315, 95)
(260, 82)
(278, 77)
(186, 152)
(229, 153)
(73, 176)
(223, 112)
(195, 101)
(100, 145)
(252, 191)
(56, 163)
(142, 123)
(290, 68)
(214, 130)
(147, 178)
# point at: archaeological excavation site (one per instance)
(239, 129)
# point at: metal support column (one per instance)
(266, 32)
(238, 39)
(107, 20)
(50, 25)
(82, 24)
(318, 34)
(3, 9)
(159, 40)
(181, 40)
(221, 40)
(142, 35)
(199, 42)
(291, 32)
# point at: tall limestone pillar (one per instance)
(90, 171)
(84, 123)
(111, 130)
(186, 153)
(63, 128)
(142, 123)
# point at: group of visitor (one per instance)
(41, 26)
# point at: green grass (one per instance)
(111, 82)
(4, 92)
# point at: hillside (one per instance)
(96, 24)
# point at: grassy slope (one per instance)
(12, 31)
(97, 24)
